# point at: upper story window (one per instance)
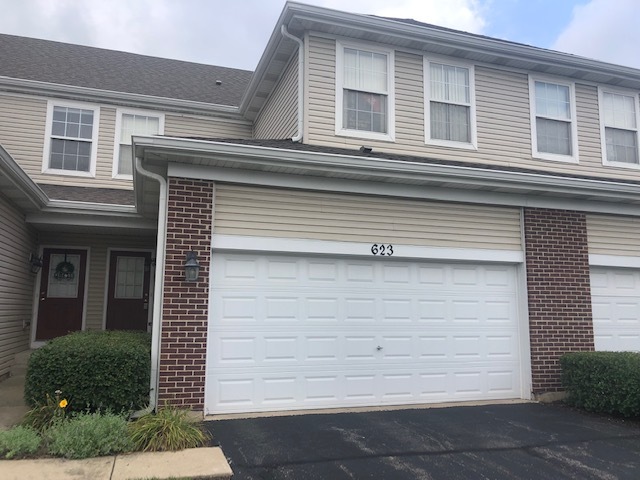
(71, 141)
(619, 127)
(129, 123)
(553, 120)
(364, 92)
(450, 105)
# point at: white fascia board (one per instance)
(88, 207)
(106, 221)
(620, 261)
(384, 168)
(46, 89)
(235, 243)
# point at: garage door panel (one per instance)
(358, 333)
(616, 308)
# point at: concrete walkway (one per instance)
(12, 405)
(193, 463)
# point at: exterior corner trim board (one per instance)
(231, 243)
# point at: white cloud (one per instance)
(605, 30)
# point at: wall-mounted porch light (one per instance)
(36, 263)
(191, 267)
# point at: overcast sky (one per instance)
(233, 33)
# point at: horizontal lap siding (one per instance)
(613, 235)
(17, 241)
(278, 118)
(98, 245)
(502, 111)
(351, 218)
(205, 127)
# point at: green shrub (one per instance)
(605, 382)
(88, 435)
(169, 429)
(96, 370)
(19, 442)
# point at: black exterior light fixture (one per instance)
(36, 263)
(191, 267)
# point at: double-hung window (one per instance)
(364, 87)
(553, 120)
(128, 124)
(619, 127)
(449, 105)
(71, 143)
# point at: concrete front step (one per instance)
(21, 360)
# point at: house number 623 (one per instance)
(381, 249)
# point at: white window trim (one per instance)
(118, 133)
(473, 145)
(47, 139)
(340, 130)
(603, 138)
(575, 155)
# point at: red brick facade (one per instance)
(558, 285)
(185, 308)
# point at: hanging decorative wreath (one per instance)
(64, 271)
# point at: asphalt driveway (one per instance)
(519, 441)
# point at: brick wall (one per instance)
(559, 292)
(185, 308)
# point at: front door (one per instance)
(128, 294)
(61, 299)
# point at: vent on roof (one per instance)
(218, 82)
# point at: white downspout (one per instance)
(300, 43)
(158, 287)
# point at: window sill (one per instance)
(630, 166)
(451, 144)
(555, 158)
(383, 137)
(68, 173)
(122, 176)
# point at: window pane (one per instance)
(72, 122)
(126, 163)
(553, 100)
(621, 145)
(70, 155)
(450, 84)
(619, 111)
(365, 111)
(553, 136)
(365, 70)
(450, 122)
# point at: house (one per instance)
(385, 212)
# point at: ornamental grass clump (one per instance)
(168, 430)
(85, 435)
(46, 413)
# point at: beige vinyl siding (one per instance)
(613, 235)
(278, 118)
(98, 245)
(205, 127)
(268, 212)
(17, 241)
(502, 111)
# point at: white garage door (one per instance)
(616, 308)
(298, 333)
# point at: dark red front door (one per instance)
(61, 299)
(128, 294)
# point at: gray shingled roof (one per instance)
(88, 194)
(67, 64)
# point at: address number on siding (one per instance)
(382, 249)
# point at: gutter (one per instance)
(156, 323)
(285, 32)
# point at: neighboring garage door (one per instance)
(616, 308)
(315, 332)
